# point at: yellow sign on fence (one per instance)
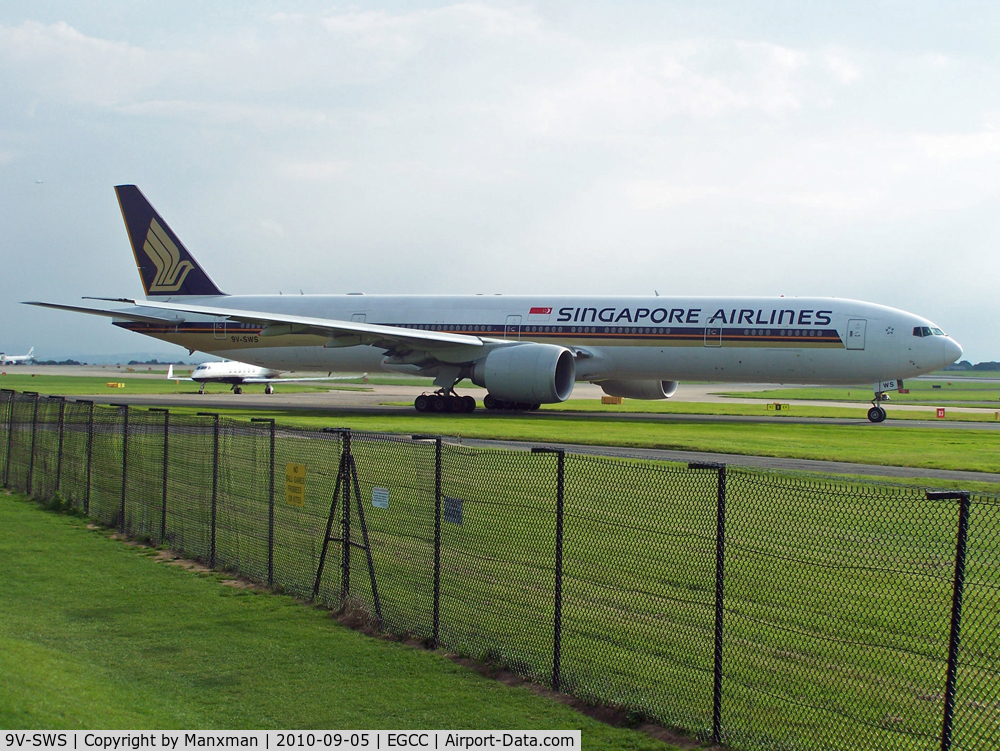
(295, 484)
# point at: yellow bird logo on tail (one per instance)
(171, 271)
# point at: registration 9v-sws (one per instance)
(36, 740)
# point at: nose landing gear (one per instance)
(877, 412)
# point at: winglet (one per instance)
(170, 372)
(165, 266)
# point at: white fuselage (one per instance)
(230, 372)
(778, 340)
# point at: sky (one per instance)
(846, 149)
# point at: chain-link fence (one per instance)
(752, 609)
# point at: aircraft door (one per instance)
(219, 329)
(513, 328)
(358, 318)
(856, 333)
(713, 336)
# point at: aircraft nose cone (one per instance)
(952, 350)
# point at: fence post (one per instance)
(215, 480)
(557, 620)
(954, 642)
(10, 435)
(34, 430)
(59, 453)
(166, 453)
(270, 507)
(90, 453)
(436, 620)
(720, 578)
(345, 564)
(121, 509)
(437, 541)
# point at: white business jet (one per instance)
(238, 373)
(525, 350)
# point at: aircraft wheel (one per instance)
(455, 404)
(535, 407)
(237, 390)
(876, 414)
(269, 389)
(439, 404)
(469, 404)
(490, 402)
(421, 403)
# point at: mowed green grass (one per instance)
(949, 391)
(96, 634)
(939, 448)
(65, 385)
(633, 406)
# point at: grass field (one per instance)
(632, 406)
(939, 448)
(86, 385)
(96, 634)
(943, 393)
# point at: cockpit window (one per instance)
(927, 331)
(937, 332)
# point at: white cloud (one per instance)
(311, 171)
(954, 147)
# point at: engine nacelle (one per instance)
(640, 389)
(528, 373)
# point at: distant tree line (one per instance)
(966, 365)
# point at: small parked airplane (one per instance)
(17, 359)
(526, 350)
(238, 373)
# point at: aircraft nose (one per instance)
(952, 350)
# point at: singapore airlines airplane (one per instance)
(238, 373)
(17, 359)
(525, 350)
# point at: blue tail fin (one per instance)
(165, 266)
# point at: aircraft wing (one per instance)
(395, 339)
(141, 318)
(317, 378)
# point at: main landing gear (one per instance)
(269, 389)
(442, 401)
(237, 390)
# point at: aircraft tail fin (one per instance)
(166, 267)
(31, 353)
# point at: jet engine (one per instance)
(527, 373)
(640, 389)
